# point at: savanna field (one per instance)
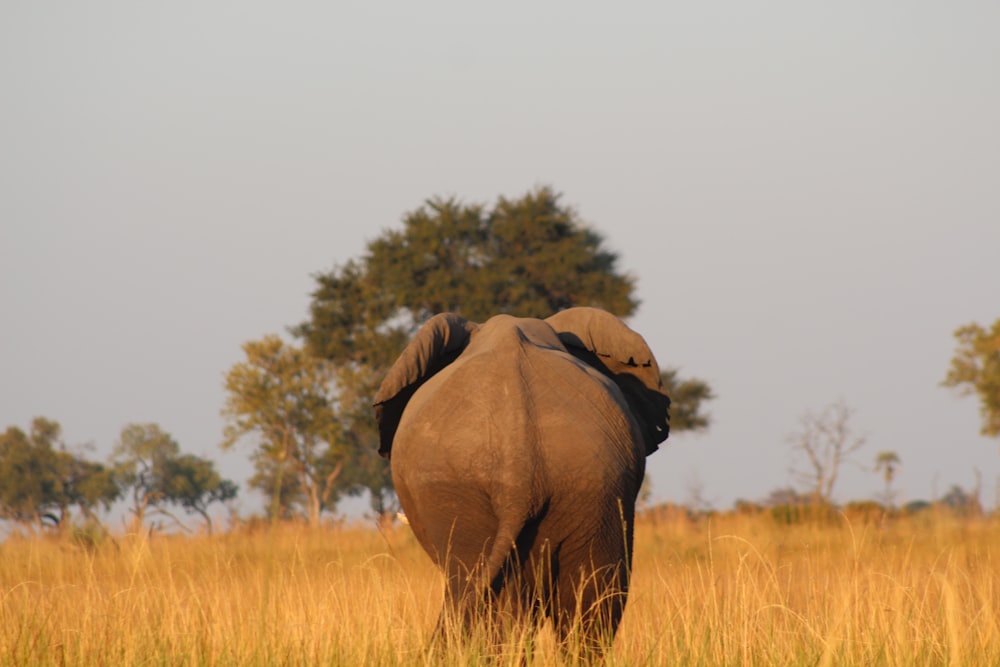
(730, 590)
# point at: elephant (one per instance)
(517, 448)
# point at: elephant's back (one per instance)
(528, 406)
(471, 401)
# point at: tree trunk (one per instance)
(312, 493)
(208, 520)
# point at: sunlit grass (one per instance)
(727, 591)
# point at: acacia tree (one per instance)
(284, 396)
(151, 469)
(823, 443)
(975, 369)
(193, 483)
(529, 257)
(138, 458)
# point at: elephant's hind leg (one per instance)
(480, 578)
(590, 607)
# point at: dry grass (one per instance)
(730, 591)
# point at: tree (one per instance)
(278, 484)
(193, 483)
(86, 485)
(962, 502)
(887, 462)
(529, 257)
(825, 441)
(686, 401)
(975, 369)
(138, 457)
(149, 465)
(30, 483)
(284, 396)
(41, 479)
(786, 496)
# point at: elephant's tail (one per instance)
(504, 558)
(517, 565)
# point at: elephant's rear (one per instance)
(464, 474)
(518, 465)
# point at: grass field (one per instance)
(733, 590)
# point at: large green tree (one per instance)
(975, 369)
(531, 257)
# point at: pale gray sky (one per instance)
(808, 195)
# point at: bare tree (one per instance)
(823, 443)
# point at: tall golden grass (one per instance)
(731, 590)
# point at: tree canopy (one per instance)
(975, 369)
(687, 401)
(284, 396)
(40, 478)
(150, 468)
(531, 257)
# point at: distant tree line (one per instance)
(302, 403)
(44, 484)
(305, 404)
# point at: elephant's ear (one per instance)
(605, 342)
(435, 345)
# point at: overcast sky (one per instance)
(808, 196)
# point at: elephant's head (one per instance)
(605, 342)
(591, 335)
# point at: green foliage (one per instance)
(916, 507)
(40, 479)
(687, 397)
(975, 369)
(814, 512)
(277, 482)
(747, 507)
(284, 396)
(865, 511)
(139, 456)
(529, 257)
(960, 501)
(193, 483)
(149, 464)
(87, 484)
(30, 482)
